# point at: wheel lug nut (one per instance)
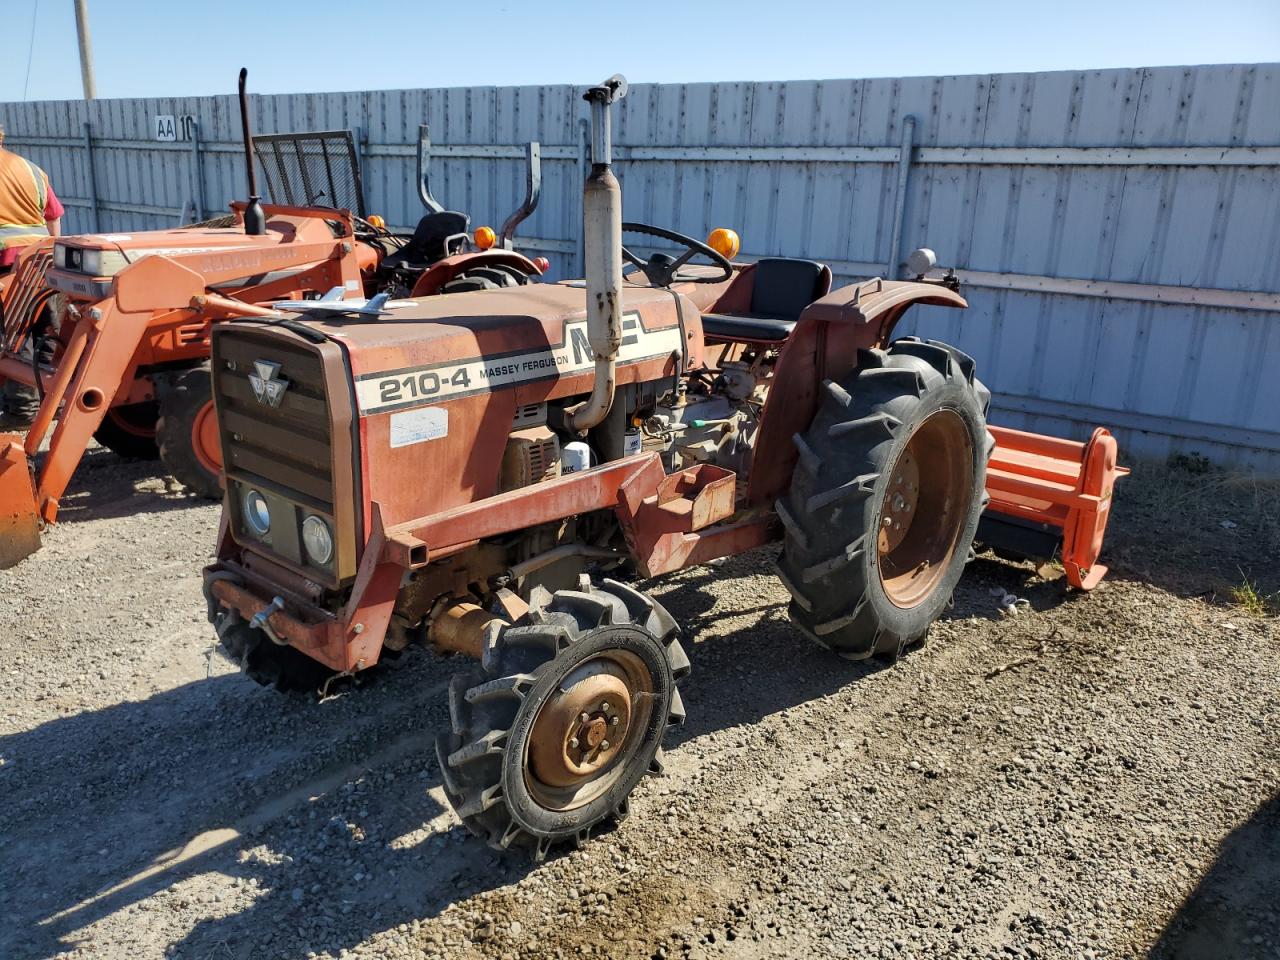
(583, 718)
(604, 744)
(613, 721)
(604, 707)
(573, 742)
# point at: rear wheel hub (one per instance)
(925, 507)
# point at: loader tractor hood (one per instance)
(83, 266)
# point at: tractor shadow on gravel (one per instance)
(292, 827)
(106, 486)
(1232, 913)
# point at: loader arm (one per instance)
(100, 361)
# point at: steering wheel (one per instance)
(662, 269)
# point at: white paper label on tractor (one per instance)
(432, 383)
(417, 426)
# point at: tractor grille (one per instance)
(289, 452)
(287, 446)
(24, 297)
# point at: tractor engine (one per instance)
(711, 417)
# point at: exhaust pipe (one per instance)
(255, 221)
(602, 241)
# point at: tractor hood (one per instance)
(531, 339)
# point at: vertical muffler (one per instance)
(602, 245)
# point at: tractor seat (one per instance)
(781, 288)
(430, 240)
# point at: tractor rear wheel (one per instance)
(187, 433)
(549, 736)
(885, 498)
(129, 431)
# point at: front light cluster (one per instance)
(88, 260)
(317, 535)
(317, 539)
(257, 515)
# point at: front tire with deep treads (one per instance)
(187, 433)
(129, 431)
(512, 764)
(885, 498)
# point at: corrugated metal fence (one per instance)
(1117, 232)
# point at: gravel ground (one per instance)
(1095, 777)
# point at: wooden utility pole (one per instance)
(86, 50)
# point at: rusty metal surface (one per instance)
(566, 496)
(19, 524)
(302, 450)
(460, 628)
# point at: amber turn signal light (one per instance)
(724, 242)
(484, 237)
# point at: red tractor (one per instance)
(138, 380)
(486, 474)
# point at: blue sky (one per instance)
(183, 47)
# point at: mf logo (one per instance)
(267, 388)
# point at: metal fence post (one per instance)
(900, 203)
(91, 181)
(197, 173)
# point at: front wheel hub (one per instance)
(581, 730)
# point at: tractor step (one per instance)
(1051, 499)
(19, 522)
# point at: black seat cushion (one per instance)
(781, 288)
(429, 238)
(728, 326)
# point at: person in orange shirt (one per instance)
(29, 210)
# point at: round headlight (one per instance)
(256, 514)
(318, 540)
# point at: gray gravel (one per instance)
(1096, 777)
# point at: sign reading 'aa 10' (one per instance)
(169, 128)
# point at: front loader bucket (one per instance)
(1050, 499)
(19, 522)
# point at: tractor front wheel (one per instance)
(885, 498)
(129, 431)
(187, 433)
(265, 662)
(549, 736)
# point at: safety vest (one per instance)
(24, 191)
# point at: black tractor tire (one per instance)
(484, 756)
(850, 589)
(267, 663)
(488, 277)
(184, 404)
(129, 431)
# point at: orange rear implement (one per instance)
(1051, 498)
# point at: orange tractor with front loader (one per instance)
(489, 474)
(138, 380)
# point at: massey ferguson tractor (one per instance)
(468, 477)
(138, 380)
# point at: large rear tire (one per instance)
(549, 736)
(885, 498)
(187, 433)
(129, 431)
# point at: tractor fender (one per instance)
(440, 273)
(874, 307)
(824, 346)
